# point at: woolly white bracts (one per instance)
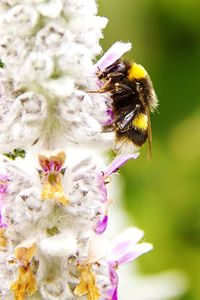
(63, 234)
(60, 232)
(48, 51)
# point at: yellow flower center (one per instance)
(51, 177)
(25, 285)
(87, 285)
(3, 239)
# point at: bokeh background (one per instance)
(163, 196)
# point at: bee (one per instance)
(133, 98)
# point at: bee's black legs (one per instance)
(105, 88)
(110, 83)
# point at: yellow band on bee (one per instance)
(136, 72)
(140, 122)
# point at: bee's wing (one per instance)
(124, 121)
(147, 95)
(149, 133)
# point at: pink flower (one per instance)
(114, 53)
(123, 250)
(51, 175)
(118, 162)
(101, 224)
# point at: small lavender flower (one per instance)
(103, 180)
(105, 260)
(123, 250)
(113, 54)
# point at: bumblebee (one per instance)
(133, 98)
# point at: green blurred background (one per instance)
(163, 196)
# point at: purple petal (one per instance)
(121, 248)
(3, 190)
(112, 292)
(110, 118)
(101, 225)
(134, 253)
(119, 161)
(113, 54)
(125, 248)
(102, 187)
(2, 223)
(58, 166)
(3, 184)
(131, 235)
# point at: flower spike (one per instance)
(54, 211)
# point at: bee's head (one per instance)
(136, 72)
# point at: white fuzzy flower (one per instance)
(73, 8)
(51, 9)
(52, 209)
(13, 51)
(37, 67)
(20, 20)
(51, 37)
(48, 50)
(87, 31)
